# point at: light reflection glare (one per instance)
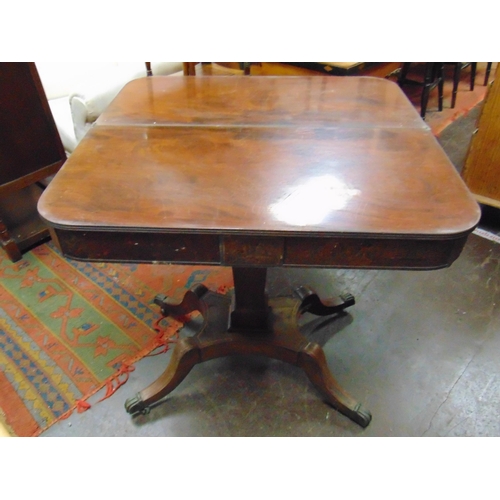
(311, 202)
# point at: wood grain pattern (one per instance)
(269, 101)
(279, 179)
(260, 251)
(482, 167)
(281, 157)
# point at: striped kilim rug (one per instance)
(68, 329)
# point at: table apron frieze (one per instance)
(259, 251)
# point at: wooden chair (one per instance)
(487, 74)
(433, 77)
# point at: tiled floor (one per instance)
(421, 350)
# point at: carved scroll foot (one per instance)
(311, 303)
(190, 302)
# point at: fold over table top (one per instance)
(269, 156)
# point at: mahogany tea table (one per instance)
(331, 172)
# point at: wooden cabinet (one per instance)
(481, 172)
(30, 151)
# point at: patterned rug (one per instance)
(69, 329)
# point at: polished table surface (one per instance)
(255, 172)
(287, 157)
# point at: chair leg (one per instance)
(188, 68)
(456, 80)
(8, 244)
(473, 68)
(487, 75)
(440, 76)
(428, 78)
(403, 73)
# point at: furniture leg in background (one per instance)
(433, 77)
(457, 70)
(487, 74)
(9, 244)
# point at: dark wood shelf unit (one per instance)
(30, 151)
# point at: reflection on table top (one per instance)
(261, 155)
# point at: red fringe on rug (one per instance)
(165, 336)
